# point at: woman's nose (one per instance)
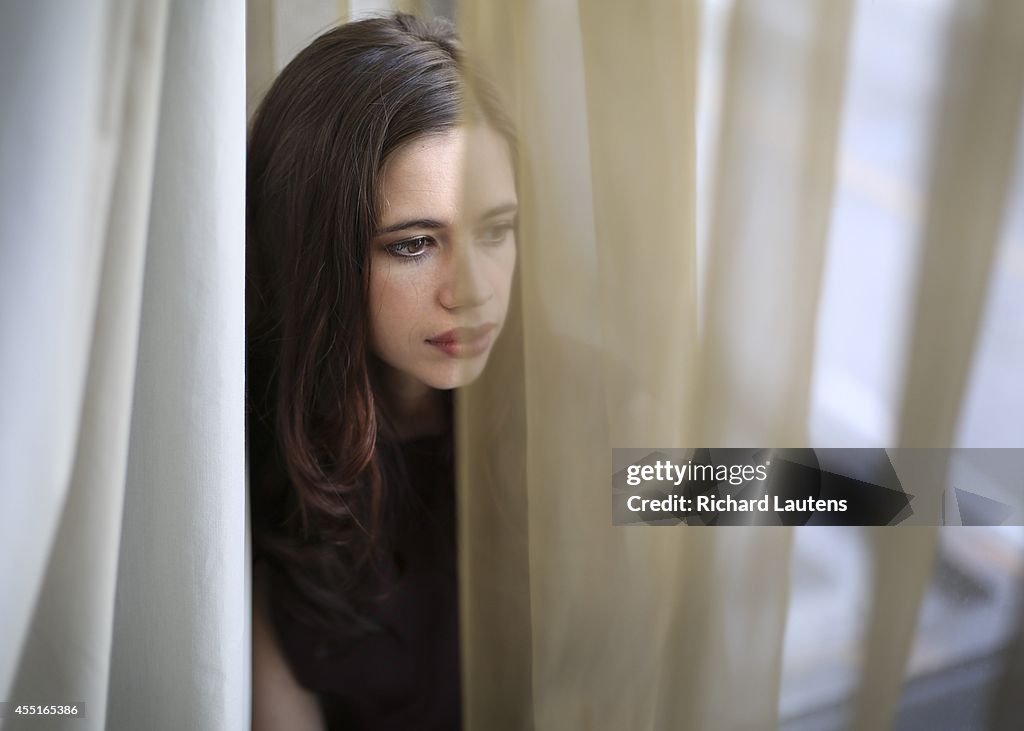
(465, 284)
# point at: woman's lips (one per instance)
(464, 342)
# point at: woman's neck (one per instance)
(415, 409)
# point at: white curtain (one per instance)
(121, 442)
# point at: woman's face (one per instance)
(441, 263)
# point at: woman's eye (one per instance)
(495, 234)
(411, 249)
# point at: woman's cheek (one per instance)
(508, 267)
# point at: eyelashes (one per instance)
(410, 249)
(496, 234)
(419, 248)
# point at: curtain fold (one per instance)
(182, 569)
(777, 133)
(785, 68)
(610, 356)
(122, 173)
(67, 653)
(972, 152)
(52, 187)
(972, 158)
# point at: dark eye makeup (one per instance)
(414, 248)
(419, 247)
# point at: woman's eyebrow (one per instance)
(434, 224)
(412, 223)
(499, 210)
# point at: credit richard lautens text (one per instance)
(676, 474)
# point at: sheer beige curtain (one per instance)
(624, 628)
(971, 166)
(570, 622)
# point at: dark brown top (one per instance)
(407, 677)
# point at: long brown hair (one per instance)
(321, 450)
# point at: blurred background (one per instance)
(972, 606)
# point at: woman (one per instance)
(379, 268)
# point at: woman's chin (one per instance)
(458, 373)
